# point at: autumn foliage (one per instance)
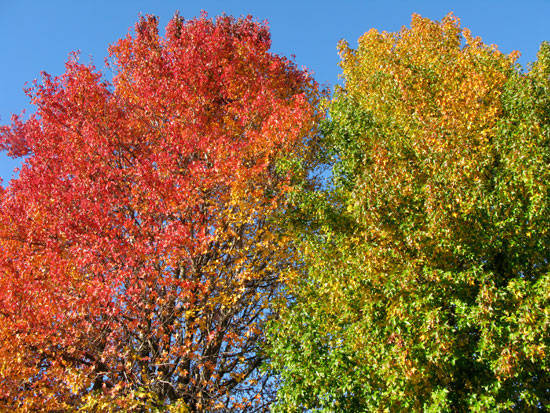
(166, 247)
(427, 284)
(138, 246)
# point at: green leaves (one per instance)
(429, 297)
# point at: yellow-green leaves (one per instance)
(424, 284)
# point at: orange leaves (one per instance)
(428, 77)
(434, 94)
(139, 249)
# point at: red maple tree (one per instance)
(138, 249)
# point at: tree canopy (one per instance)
(427, 280)
(139, 253)
(166, 246)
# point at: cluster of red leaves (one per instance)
(135, 245)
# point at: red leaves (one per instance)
(133, 230)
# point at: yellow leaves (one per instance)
(506, 363)
(424, 74)
(433, 91)
(238, 376)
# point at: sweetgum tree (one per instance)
(139, 248)
(428, 283)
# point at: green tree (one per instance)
(427, 276)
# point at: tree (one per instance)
(139, 244)
(428, 277)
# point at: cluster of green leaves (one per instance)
(427, 279)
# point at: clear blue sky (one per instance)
(38, 35)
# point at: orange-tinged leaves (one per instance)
(139, 249)
(427, 268)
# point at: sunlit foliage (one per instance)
(428, 281)
(138, 249)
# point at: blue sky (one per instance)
(38, 35)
